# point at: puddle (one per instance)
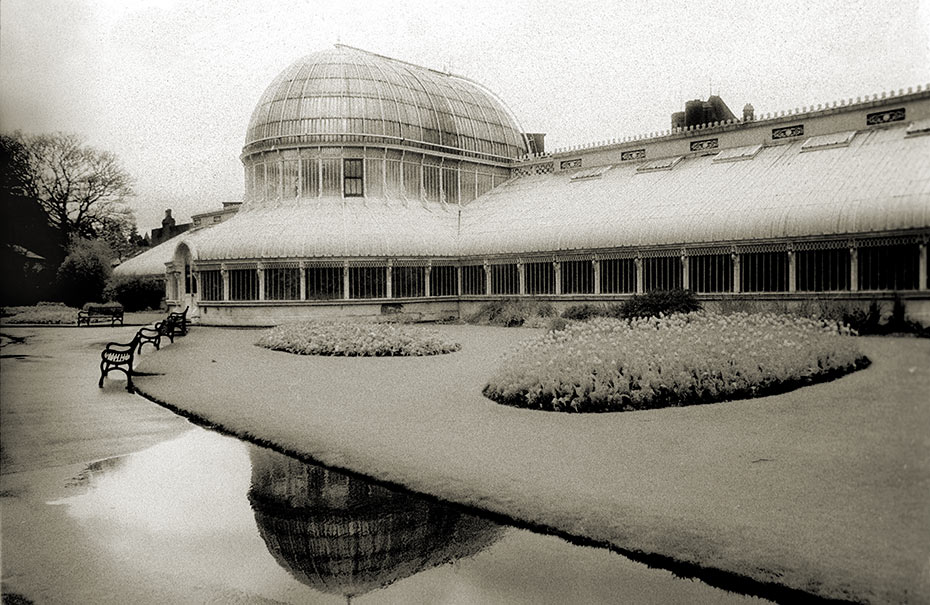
(210, 513)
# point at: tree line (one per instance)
(65, 218)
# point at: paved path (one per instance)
(825, 489)
(54, 423)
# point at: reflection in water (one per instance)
(342, 535)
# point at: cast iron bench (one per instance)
(176, 324)
(152, 335)
(100, 313)
(119, 356)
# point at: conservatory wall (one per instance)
(853, 271)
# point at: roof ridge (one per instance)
(408, 63)
(803, 111)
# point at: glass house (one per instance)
(374, 186)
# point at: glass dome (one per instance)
(345, 95)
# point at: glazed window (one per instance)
(505, 279)
(540, 278)
(577, 276)
(352, 178)
(710, 272)
(889, 267)
(661, 273)
(443, 281)
(618, 275)
(763, 271)
(211, 285)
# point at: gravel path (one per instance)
(825, 489)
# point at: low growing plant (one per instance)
(610, 365)
(585, 312)
(652, 304)
(355, 339)
(512, 312)
(43, 313)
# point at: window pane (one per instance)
(211, 285)
(889, 267)
(324, 283)
(540, 278)
(443, 281)
(618, 276)
(577, 277)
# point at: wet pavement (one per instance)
(204, 517)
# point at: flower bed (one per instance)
(613, 365)
(355, 339)
(40, 314)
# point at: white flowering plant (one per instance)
(610, 364)
(39, 314)
(355, 339)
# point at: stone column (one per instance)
(224, 277)
(261, 281)
(426, 286)
(557, 270)
(853, 267)
(685, 272)
(521, 276)
(389, 289)
(597, 274)
(792, 270)
(302, 267)
(487, 278)
(458, 279)
(736, 271)
(922, 267)
(345, 280)
(638, 263)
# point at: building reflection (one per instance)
(343, 535)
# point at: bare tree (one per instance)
(82, 189)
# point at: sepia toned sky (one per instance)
(170, 85)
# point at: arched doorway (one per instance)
(186, 279)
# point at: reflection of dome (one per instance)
(345, 536)
(348, 95)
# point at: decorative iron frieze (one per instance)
(703, 145)
(569, 164)
(883, 117)
(788, 132)
(532, 170)
(636, 154)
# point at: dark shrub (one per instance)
(659, 301)
(136, 292)
(511, 312)
(83, 274)
(584, 312)
(865, 322)
(103, 307)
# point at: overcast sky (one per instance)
(170, 85)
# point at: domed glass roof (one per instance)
(349, 95)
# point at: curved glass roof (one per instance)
(348, 95)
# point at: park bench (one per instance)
(119, 356)
(176, 323)
(173, 325)
(92, 313)
(152, 335)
